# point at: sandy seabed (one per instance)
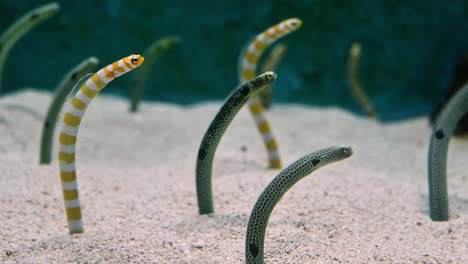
(136, 175)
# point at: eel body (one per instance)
(355, 84)
(67, 139)
(444, 128)
(63, 90)
(255, 237)
(214, 133)
(248, 72)
(21, 27)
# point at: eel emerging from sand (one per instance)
(63, 91)
(255, 238)
(248, 72)
(214, 133)
(71, 122)
(355, 84)
(444, 127)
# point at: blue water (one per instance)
(409, 48)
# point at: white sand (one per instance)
(136, 175)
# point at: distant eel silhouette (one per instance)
(214, 133)
(63, 91)
(21, 27)
(68, 134)
(151, 54)
(444, 126)
(255, 238)
(248, 72)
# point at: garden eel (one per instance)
(248, 72)
(270, 64)
(22, 26)
(254, 243)
(63, 90)
(68, 134)
(153, 52)
(438, 147)
(355, 84)
(214, 133)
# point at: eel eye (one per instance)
(346, 150)
(134, 60)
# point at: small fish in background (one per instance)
(460, 77)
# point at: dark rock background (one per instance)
(409, 48)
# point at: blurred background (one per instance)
(409, 48)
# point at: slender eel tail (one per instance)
(69, 131)
(437, 158)
(22, 26)
(258, 221)
(248, 72)
(63, 90)
(214, 133)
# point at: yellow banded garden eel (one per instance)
(68, 134)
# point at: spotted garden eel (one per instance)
(22, 26)
(355, 84)
(154, 51)
(63, 90)
(270, 64)
(214, 133)
(438, 147)
(248, 72)
(254, 243)
(68, 134)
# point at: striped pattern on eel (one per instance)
(248, 72)
(68, 134)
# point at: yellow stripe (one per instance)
(67, 139)
(250, 57)
(248, 74)
(127, 62)
(264, 127)
(271, 145)
(67, 157)
(117, 67)
(88, 92)
(279, 31)
(78, 104)
(98, 82)
(108, 74)
(259, 45)
(275, 164)
(71, 120)
(70, 195)
(67, 176)
(269, 35)
(256, 109)
(73, 213)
